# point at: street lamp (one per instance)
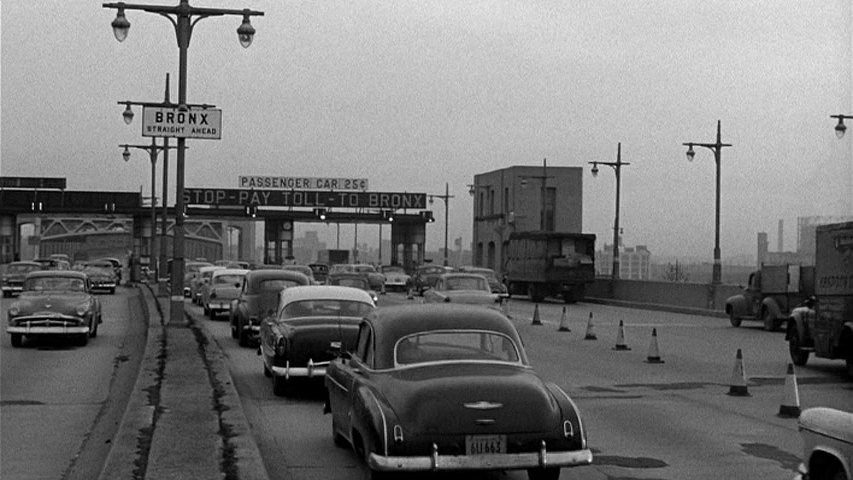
(152, 150)
(716, 147)
(446, 198)
(617, 167)
(181, 17)
(544, 178)
(127, 116)
(840, 128)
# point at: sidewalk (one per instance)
(184, 419)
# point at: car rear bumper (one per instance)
(13, 288)
(509, 461)
(309, 371)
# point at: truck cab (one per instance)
(772, 293)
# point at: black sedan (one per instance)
(448, 387)
(258, 298)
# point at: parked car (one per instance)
(449, 387)
(494, 283)
(55, 303)
(352, 279)
(203, 278)
(258, 298)
(12, 281)
(469, 288)
(224, 286)
(191, 272)
(396, 277)
(101, 275)
(827, 436)
(425, 276)
(312, 325)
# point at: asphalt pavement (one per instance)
(184, 419)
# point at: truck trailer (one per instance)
(549, 264)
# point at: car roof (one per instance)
(210, 268)
(57, 273)
(392, 323)
(255, 277)
(230, 271)
(324, 292)
(26, 262)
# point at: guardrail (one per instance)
(677, 296)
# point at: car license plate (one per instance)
(485, 444)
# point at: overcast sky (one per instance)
(411, 95)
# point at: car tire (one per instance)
(280, 386)
(771, 323)
(93, 331)
(734, 319)
(337, 438)
(81, 340)
(267, 372)
(798, 356)
(17, 339)
(543, 474)
(243, 339)
(113, 291)
(234, 329)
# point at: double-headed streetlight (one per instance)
(184, 18)
(617, 167)
(152, 150)
(128, 115)
(716, 147)
(446, 198)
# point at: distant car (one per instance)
(469, 288)
(224, 286)
(191, 269)
(101, 275)
(396, 277)
(376, 279)
(494, 283)
(424, 277)
(320, 270)
(55, 303)
(827, 436)
(117, 266)
(312, 325)
(12, 281)
(258, 299)
(200, 281)
(303, 269)
(448, 387)
(352, 279)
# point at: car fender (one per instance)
(798, 322)
(771, 305)
(737, 305)
(371, 418)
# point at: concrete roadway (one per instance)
(652, 421)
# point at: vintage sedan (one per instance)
(496, 285)
(352, 279)
(55, 303)
(470, 288)
(449, 387)
(224, 286)
(827, 436)
(102, 276)
(12, 281)
(425, 277)
(201, 281)
(258, 299)
(312, 325)
(396, 277)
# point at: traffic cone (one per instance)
(654, 355)
(536, 320)
(791, 403)
(564, 323)
(620, 338)
(738, 383)
(590, 329)
(410, 295)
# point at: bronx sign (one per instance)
(172, 122)
(297, 198)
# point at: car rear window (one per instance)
(324, 308)
(455, 345)
(228, 279)
(466, 283)
(22, 268)
(277, 284)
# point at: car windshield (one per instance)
(364, 269)
(228, 279)
(98, 270)
(324, 308)
(466, 283)
(454, 346)
(350, 282)
(55, 284)
(393, 270)
(21, 268)
(277, 284)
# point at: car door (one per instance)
(342, 385)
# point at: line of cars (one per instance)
(437, 386)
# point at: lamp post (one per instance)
(542, 190)
(127, 114)
(617, 167)
(716, 147)
(840, 128)
(446, 198)
(152, 150)
(181, 17)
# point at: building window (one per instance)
(490, 263)
(550, 209)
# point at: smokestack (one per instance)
(780, 249)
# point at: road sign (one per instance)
(33, 182)
(302, 183)
(290, 198)
(204, 123)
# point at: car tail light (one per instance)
(281, 347)
(398, 434)
(568, 430)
